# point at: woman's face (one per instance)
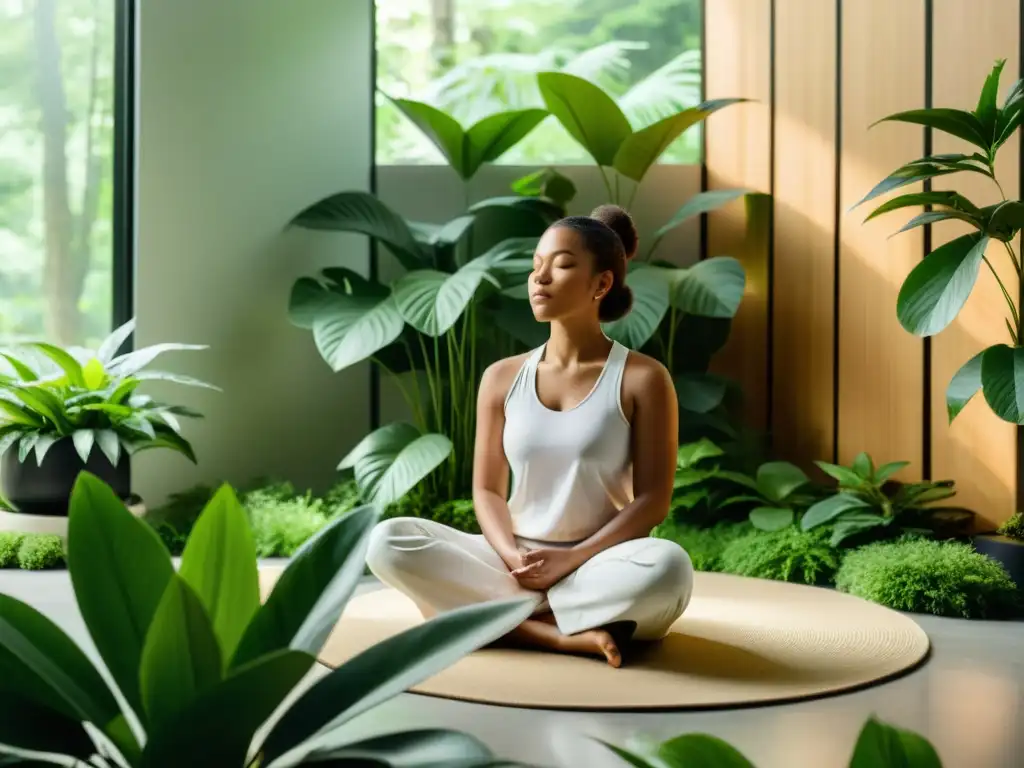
(563, 282)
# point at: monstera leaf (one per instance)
(710, 288)
(650, 286)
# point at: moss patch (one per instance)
(704, 545)
(924, 576)
(1013, 528)
(787, 555)
(41, 551)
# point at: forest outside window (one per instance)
(472, 58)
(57, 169)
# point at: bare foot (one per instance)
(596, 642)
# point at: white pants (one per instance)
(646, 582)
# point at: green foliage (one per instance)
(773, 497)
(868, 501)
(879, 745)
(186, 646)
(704, 545)
(41, 551)
(938, 287)
(90, 397)
(788, 554)
(457, 514)
(1013, 528)
(281, 526)
(923, 576)
(10, 543)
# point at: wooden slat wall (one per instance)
(881, 366)
(978, 450)
(804, 234)
(738, 64)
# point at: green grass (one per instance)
(925, 576)
(787, 555)
(704, 545)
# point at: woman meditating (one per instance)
(588, 431)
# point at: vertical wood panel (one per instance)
(803, 316)
(881, 366)
(737, 63)
(978, 450)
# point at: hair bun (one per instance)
(616, 304)
(617, 219)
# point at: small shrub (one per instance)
(1013, 528)
(786, 555)
(10, 543)
(703, 545)
(924, 576)
(264, 488)
(342, 497)
(281, 526)
(457, 514)
(40, 551)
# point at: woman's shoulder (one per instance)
(643, 371)
(498, 376)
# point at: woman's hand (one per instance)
(543, 568)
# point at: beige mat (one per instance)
(741, 641)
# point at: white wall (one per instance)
(249, 110)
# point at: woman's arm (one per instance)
(490, 467)
(655, 442)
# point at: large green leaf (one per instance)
(119, 570)
(112, 344)
(44, 403)
(547, 183)
(363, 213)
(931, 217)
(219, 563)
(24, 724)
(1010, 115)
(699, 750)
(1002, 381)
(427, 748)
(771, 518)
(952, 200)
(937, 288)
(700, 392)
(25, 373)
(640, 150)
(442, 129)
(922, 170)
(71, 367)
(589, 114)
(650, 286)
(350, 328)
(496, 134)
(778, 479)
(181, 658)
(391, 667)
(221, 723)
(710, 288)
(545, 211)
(19, 414)
(392, 460)
(880, 745)
(987, 110)
(689, 454)
(45, 672)
(853, 523)
(955, 122)
(310, 595)
(844, 475)
(432, 301)
(702, 202)
(964, 385)
(1005, 220)
(829, 509)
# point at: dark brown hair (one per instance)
(610, 237)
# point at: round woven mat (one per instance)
(740, 642)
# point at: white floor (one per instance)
(968, 699)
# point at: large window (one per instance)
(59, 78)
(471, 58)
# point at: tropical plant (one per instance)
(438, 323)
(866, 499)
(879, 745)
(703, 482)
(90, 398)
(938, 287)
(779, 491)
(186, 646)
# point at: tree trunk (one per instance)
(442, 45)
(62, 317)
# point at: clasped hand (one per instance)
(542, 568)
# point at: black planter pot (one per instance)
(45, 490)
(1009, 552)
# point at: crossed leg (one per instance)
(634, 589)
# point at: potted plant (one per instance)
(202, 665)
(82, 411)
(1006, 546)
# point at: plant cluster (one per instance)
(31, 551)
(91, 398)
(1013, 528)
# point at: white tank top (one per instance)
(570, 469)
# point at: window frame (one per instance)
(124, 166)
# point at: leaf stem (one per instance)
(1006, 295)
(1013, 258)
(607, 184)
(417, 413)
